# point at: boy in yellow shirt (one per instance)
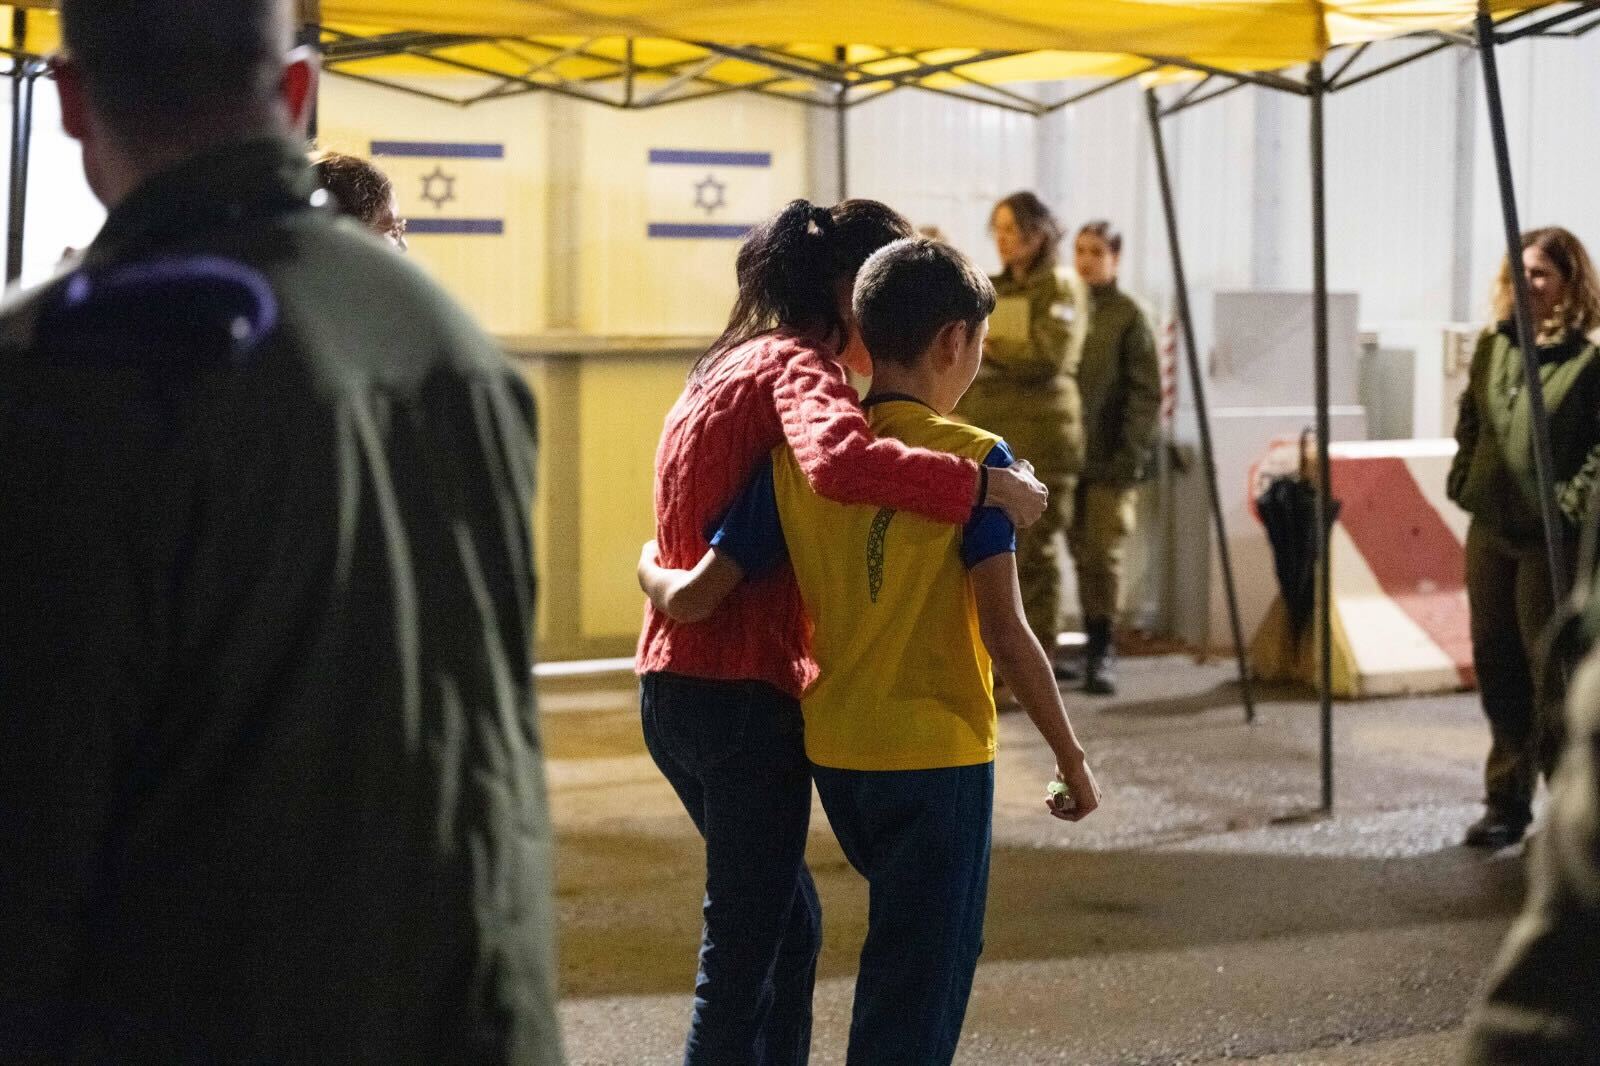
(900, 725)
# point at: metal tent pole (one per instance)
(1202, 418)
(1324, 508)
(841, 128)
(24, 73)
(1544, 464)
(311, 37)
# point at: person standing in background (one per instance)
(1493, 480)
(1119, 379)
(363, 192)
(1027, 391)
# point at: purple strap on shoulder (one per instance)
(260, 313)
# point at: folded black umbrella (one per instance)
(1288, 509)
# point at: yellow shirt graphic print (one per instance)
(904, 680)
(880, 529)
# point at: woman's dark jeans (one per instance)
(734, 751)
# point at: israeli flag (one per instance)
(447, 187)
(699, 194)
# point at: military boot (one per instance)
(1496, 829)
(1100, 659)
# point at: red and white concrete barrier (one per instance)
(1400, 619)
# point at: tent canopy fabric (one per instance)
(1280, 32)
(936, 43)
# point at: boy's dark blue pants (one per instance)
(734, 751)
(921, 839)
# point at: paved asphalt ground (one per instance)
(1204, 914)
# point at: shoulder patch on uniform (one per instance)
(179, 313)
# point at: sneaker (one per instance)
(1495, 831)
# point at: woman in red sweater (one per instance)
(720, 696)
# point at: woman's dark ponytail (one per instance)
(789, 266)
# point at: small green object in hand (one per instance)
(1057, 790)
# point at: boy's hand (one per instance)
(1018, 493)
(1074, 794)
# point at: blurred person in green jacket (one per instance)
(1493, 479)
(1027, 391)
(1119, 380)
(270, 769)
(1539, 1005)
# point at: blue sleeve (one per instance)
(751, 532)
(989, 532)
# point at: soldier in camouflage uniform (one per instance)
(1120, 380)
(1027, 392)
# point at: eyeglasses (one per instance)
(397, 233)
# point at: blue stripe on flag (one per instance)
(439, 149)
(711, 159)
(493, 227)
(698, 229)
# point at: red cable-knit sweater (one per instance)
(777, 388)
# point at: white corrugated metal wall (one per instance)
(1401, 176)
(940, 162)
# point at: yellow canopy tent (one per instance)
(643, 53)
(638, 53)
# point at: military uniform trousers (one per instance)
(1036, 431)
(1102, 521)
(1508, 590)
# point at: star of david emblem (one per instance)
(438, 188)
(709, 195)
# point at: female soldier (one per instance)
(1492, 478)
(1027, 389)
(1119, 379)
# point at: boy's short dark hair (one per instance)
(909, 290)
(178, 68)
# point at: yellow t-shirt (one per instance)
(904, 680)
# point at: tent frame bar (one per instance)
(1202, 413)
(25, 73)
(1343, 80)
(1556, 25)
(1194, 97)
(1324, 497)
